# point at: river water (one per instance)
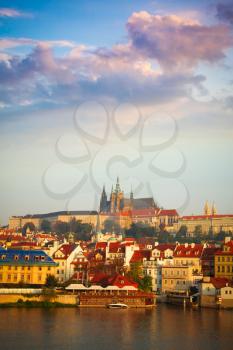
(165, 327)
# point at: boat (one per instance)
(117, 306)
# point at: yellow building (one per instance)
(185, 270)
(209, 221)
(26, 266)
(223, 263)
(178, 278)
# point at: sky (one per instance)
(91, 90)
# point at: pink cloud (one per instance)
(10, 12)
(176, 42)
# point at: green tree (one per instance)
(145, 283)
(198, 231)
(51, 281)
(140, 230)
(111, 226)
(45, 226)
(30, 226)
(60, 227)
(182, 232)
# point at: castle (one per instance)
(118, 202)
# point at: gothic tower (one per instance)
(207, 210)
(103, 201)
(214, 209)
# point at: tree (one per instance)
(51, 281)
(145, 283)
(140, 230)
(30, 226)
(45, 226)
(198, 231)
(182, 232)
(135, 271)
(60, 227)
(111, 226)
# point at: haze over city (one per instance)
(92, 90)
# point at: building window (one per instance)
(40, 268)
(223, 268)
(218, 268)
(9, 277)
(0, 276)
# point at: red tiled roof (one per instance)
(121, 281)
(165, 246)
(115, 247)
(144, 212)
(168, 212)
(139, 255)
(196, 217)
(101, 245)
(182, 251)
(66, 249)
(219, 282)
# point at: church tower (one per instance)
(214, 209)
(207, 210)
(103, 201)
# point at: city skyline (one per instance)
(90, 90)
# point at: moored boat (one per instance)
(117, 306)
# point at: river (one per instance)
(165, 327)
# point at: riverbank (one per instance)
(36, 304)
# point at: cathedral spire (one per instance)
(207, 210)
(214, 209)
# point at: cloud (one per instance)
(225, 12)
(10, 12)
(9, 43)
(175, 42)
(156, 65)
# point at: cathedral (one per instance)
(118, 202)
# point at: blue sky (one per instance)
(80, 81)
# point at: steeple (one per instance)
(207, 210)
(103, 200)
(214, 209)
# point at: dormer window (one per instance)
(3, 257)
(42, 258)
(16, 257)
(26, 257)
(36, 258)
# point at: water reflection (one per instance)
(166, 328)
